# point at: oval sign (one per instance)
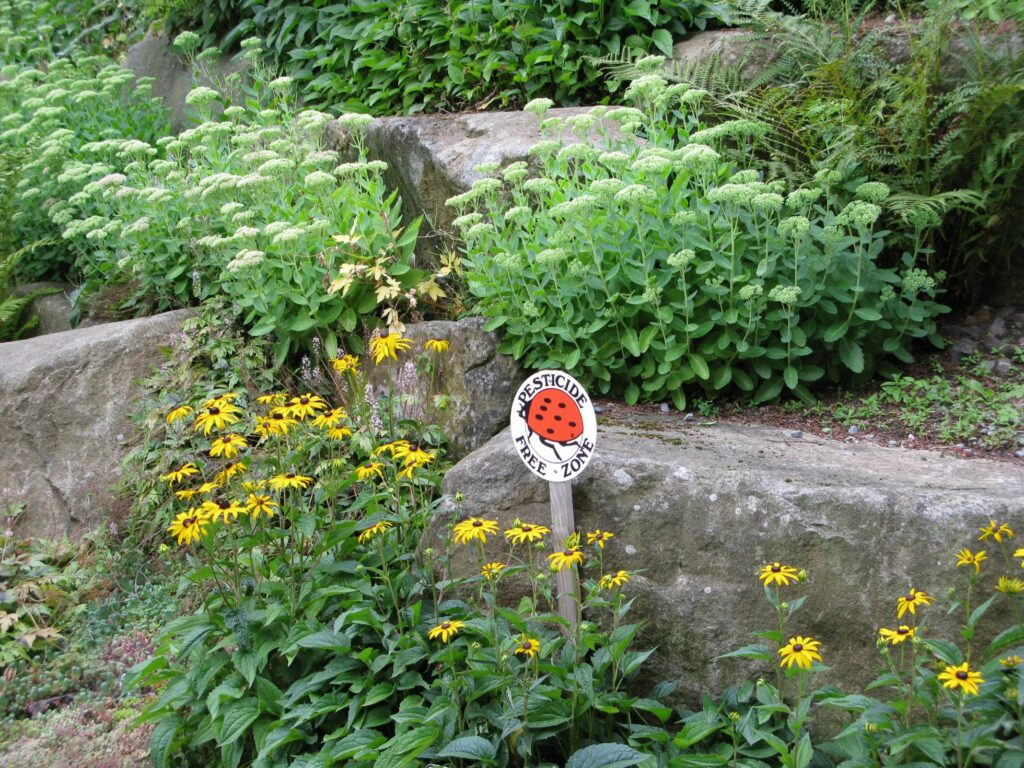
(554, 428)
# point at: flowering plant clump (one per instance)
(643, 262)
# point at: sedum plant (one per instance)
(645, 263)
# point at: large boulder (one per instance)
(64, 405)
(54, 308)
(698, 510)
(431, 158)
(466, 390)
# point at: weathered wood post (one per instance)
(554, 430)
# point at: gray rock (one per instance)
(664, 408)
(154, 57)
(704, 510)
(732, 47)
(54, 309)
(65, 398)
(431, 158)
(997, 329)
(853, 430)
(476, 383)
(1003, 367)
(796, 433)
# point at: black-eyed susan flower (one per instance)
(565, 558)
(274, 398)
(330, 419)
(345, 363)
(188, 526)
(306, 405)
(221, 400)
(898, 635)
(225, 511)
(186, 493)
(995, 530)
(414, 456)
(599, 537)
(801, 651)
(384, 347)
(527, 646)
(396, 448)
(229, 471)
(911, 601)
(966, 557)
(259, 504)
(208, 487)
(282, 420)
(436, 345)
(526, 533)
(446, 630)
(252, 486)
(613, 580)
(369, 470)
(474, 529)
(228, 446)
(374, 530)
(1010, 586)
(491, 570)
(777, 573)
(339, 433)
(180, 474)
(961, 676)
(178, 412)
(217, 417)
(290, 480)
(1011, 662)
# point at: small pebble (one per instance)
(598, 409)
(853, 430)
(1019, 454)
(664, 407)
(890, 18)
(1003, 367)
(796, 433)
(893, 443)
(851, 440)
(688, 417)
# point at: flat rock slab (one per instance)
(64, 405)
(699, 510)
(431, 157)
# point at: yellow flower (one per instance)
(446, 630)
(228, 446)
(777, 573)
(232, 469)
(179, 412)
(186, 493)
(521, 533)
(290, 480)
(373, 530)
(490, 570)
(366, 471)
(996, 531)
(330, 419)
(188, 526)
(961, 676)
(305, 405)
(436, 345)
(177, 475)
(397, 449)
(346, 363)
(281, 420)
(801, 651)
(259, 504)
(383, 347)
(339, 433)
(567, 558)
(1011, 662)
(1010, 586)
(911, 601)
(613, 580)
(251, 486)
(966, 557)
(414, 456)
(528, 646)
(221, 400)
(217, 417)
(208, 487)
(599, 537)
(897, 636)
(222, 510)
(275, 398)
(474, 529)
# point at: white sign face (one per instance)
(554, 428)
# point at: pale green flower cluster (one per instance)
(785, 294)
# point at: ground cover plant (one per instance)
(441, 56)
(648, 263)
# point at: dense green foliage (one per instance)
(34, 32)
(437, 56)
(647, 267)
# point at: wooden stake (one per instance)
(562, 526)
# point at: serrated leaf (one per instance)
(604, 756)
(470, 748)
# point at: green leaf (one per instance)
(662, 39)
(790, 376)
(700, 367)
(238, 716)
(470, 748)
(404, 749)
(852, 355)
(760, 652)
(803, 753)
(162, 739)
(697, 730)
(1005, 639)
(605, 756)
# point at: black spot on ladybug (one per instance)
(561, 405)
(558, 418)
(547, 399)
(539, 417)
(543, 407)
(572, 423)
(551, 431)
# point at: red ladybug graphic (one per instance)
(554, 417)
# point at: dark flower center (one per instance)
(477, 523)
(304, 400)
(290, 476)
(568, 553)
(776, 567)
(223, 504)
(911, 598)
(961, 675)
(446, 625)
(277, 416)
(903, 631)
(214, 411)
(188, 522)
(798, 647)
(526, 528)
